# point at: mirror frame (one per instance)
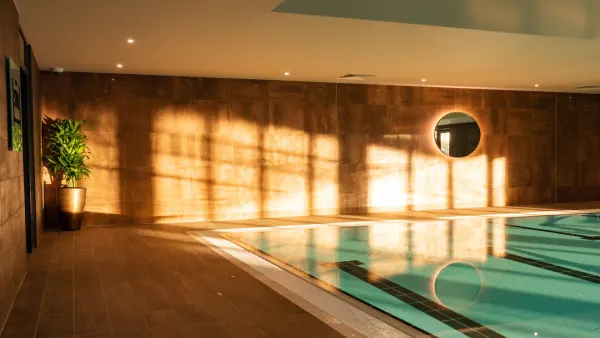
(435, 135)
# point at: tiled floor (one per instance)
(146, 282)
(157, 281)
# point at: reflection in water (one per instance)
(290, 245)
(390, 249)
(430, 242)
(498, 237)
(456, 285)
(458, 264)
(327, 240)
(411, 254)
(439, 260)
(469, 239)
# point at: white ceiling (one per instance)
(246, 39)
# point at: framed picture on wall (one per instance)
(13, 98)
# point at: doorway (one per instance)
(28, 142)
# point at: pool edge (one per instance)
(334, 308)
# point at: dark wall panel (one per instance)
(578, 154)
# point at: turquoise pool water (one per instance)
(513, 277)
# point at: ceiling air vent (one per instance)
(588, 87)
(359, 77)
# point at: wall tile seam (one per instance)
(12, 215)
(12, 178)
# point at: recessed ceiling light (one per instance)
(537, 85)
(130, 41)
(119, 65)
(286, 74)
(423, 80)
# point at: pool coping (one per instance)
(347, 315)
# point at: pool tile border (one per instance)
(554, 268)
(441, 313)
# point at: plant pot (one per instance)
(70, 208)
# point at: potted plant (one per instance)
(67, 152)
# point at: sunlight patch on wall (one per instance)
(179, 178)
(430, 182)
(499, 182)
(387, 181)
(469, 181)
(286, 183)
(235, 162)
(325, 190)
(103, 162)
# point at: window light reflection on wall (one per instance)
(445, 142)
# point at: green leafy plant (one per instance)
(67, 150)
(17, 141)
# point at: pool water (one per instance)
(503, 277)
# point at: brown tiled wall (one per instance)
(578, 155)
(13, 254)
(517, 143)
(188, 149)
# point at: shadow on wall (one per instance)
(173, 149)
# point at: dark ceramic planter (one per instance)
(70, 208)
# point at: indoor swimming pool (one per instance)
(476, 277)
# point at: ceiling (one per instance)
(462, 43)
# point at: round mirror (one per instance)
(457, 134)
